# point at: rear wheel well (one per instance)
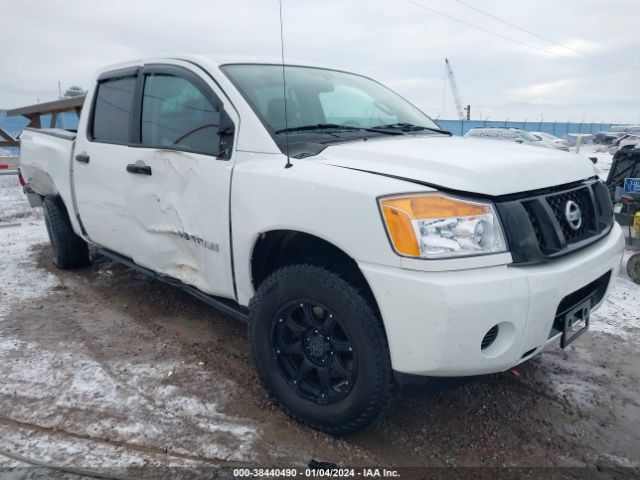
(281, 248)
(69, 250)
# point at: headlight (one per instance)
(440, 226)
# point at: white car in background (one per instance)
(547, 137)
(508, 134)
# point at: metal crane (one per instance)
(454, 91)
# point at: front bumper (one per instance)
(435, 321)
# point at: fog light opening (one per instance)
(490, 337)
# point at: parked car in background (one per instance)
(615, 133)
(606, 138)
(625, 128)
(516, 135)
(547, 137)
(630, 139)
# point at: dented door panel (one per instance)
(180, 214)
(178, 195)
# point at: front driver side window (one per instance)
(177, 115)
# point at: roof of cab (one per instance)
(216, 60)
(252, 59)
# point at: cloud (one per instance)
(391, 40)
(577, 47)
(549, 90)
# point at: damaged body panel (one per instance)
(166, 208)
(181, 212)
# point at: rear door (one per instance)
(179, 184)
(101, 156)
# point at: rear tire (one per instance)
(633, 267)
(320, 349)
(69, 250)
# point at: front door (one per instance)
(178, 186)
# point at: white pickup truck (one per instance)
(361, 242)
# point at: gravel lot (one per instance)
(104, 367)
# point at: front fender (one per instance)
(333, 204)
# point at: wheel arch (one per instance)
(278, 248)
(69, 250)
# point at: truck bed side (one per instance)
(45, 163)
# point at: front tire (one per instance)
(320, 349)
(69, 250)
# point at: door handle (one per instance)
(139, 169)
(82, 158)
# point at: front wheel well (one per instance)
(281, 248)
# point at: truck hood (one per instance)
(469, 165)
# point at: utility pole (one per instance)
(454, 91)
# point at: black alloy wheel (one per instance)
(320, 349)
(313, 352)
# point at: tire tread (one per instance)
(70, 251)
(381, 401)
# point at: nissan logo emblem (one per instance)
(573, 215)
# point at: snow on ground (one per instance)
(619, 313)
(80, 453)
(134, 402)
(121, 401)
(130, 402)
(20, 228)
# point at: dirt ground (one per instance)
(106, 367)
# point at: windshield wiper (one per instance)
(409, 127)
(317, 126)
(335, 126)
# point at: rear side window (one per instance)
(176, 114)
(112, 111)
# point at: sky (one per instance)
(578, 60)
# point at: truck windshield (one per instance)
(324, 103)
